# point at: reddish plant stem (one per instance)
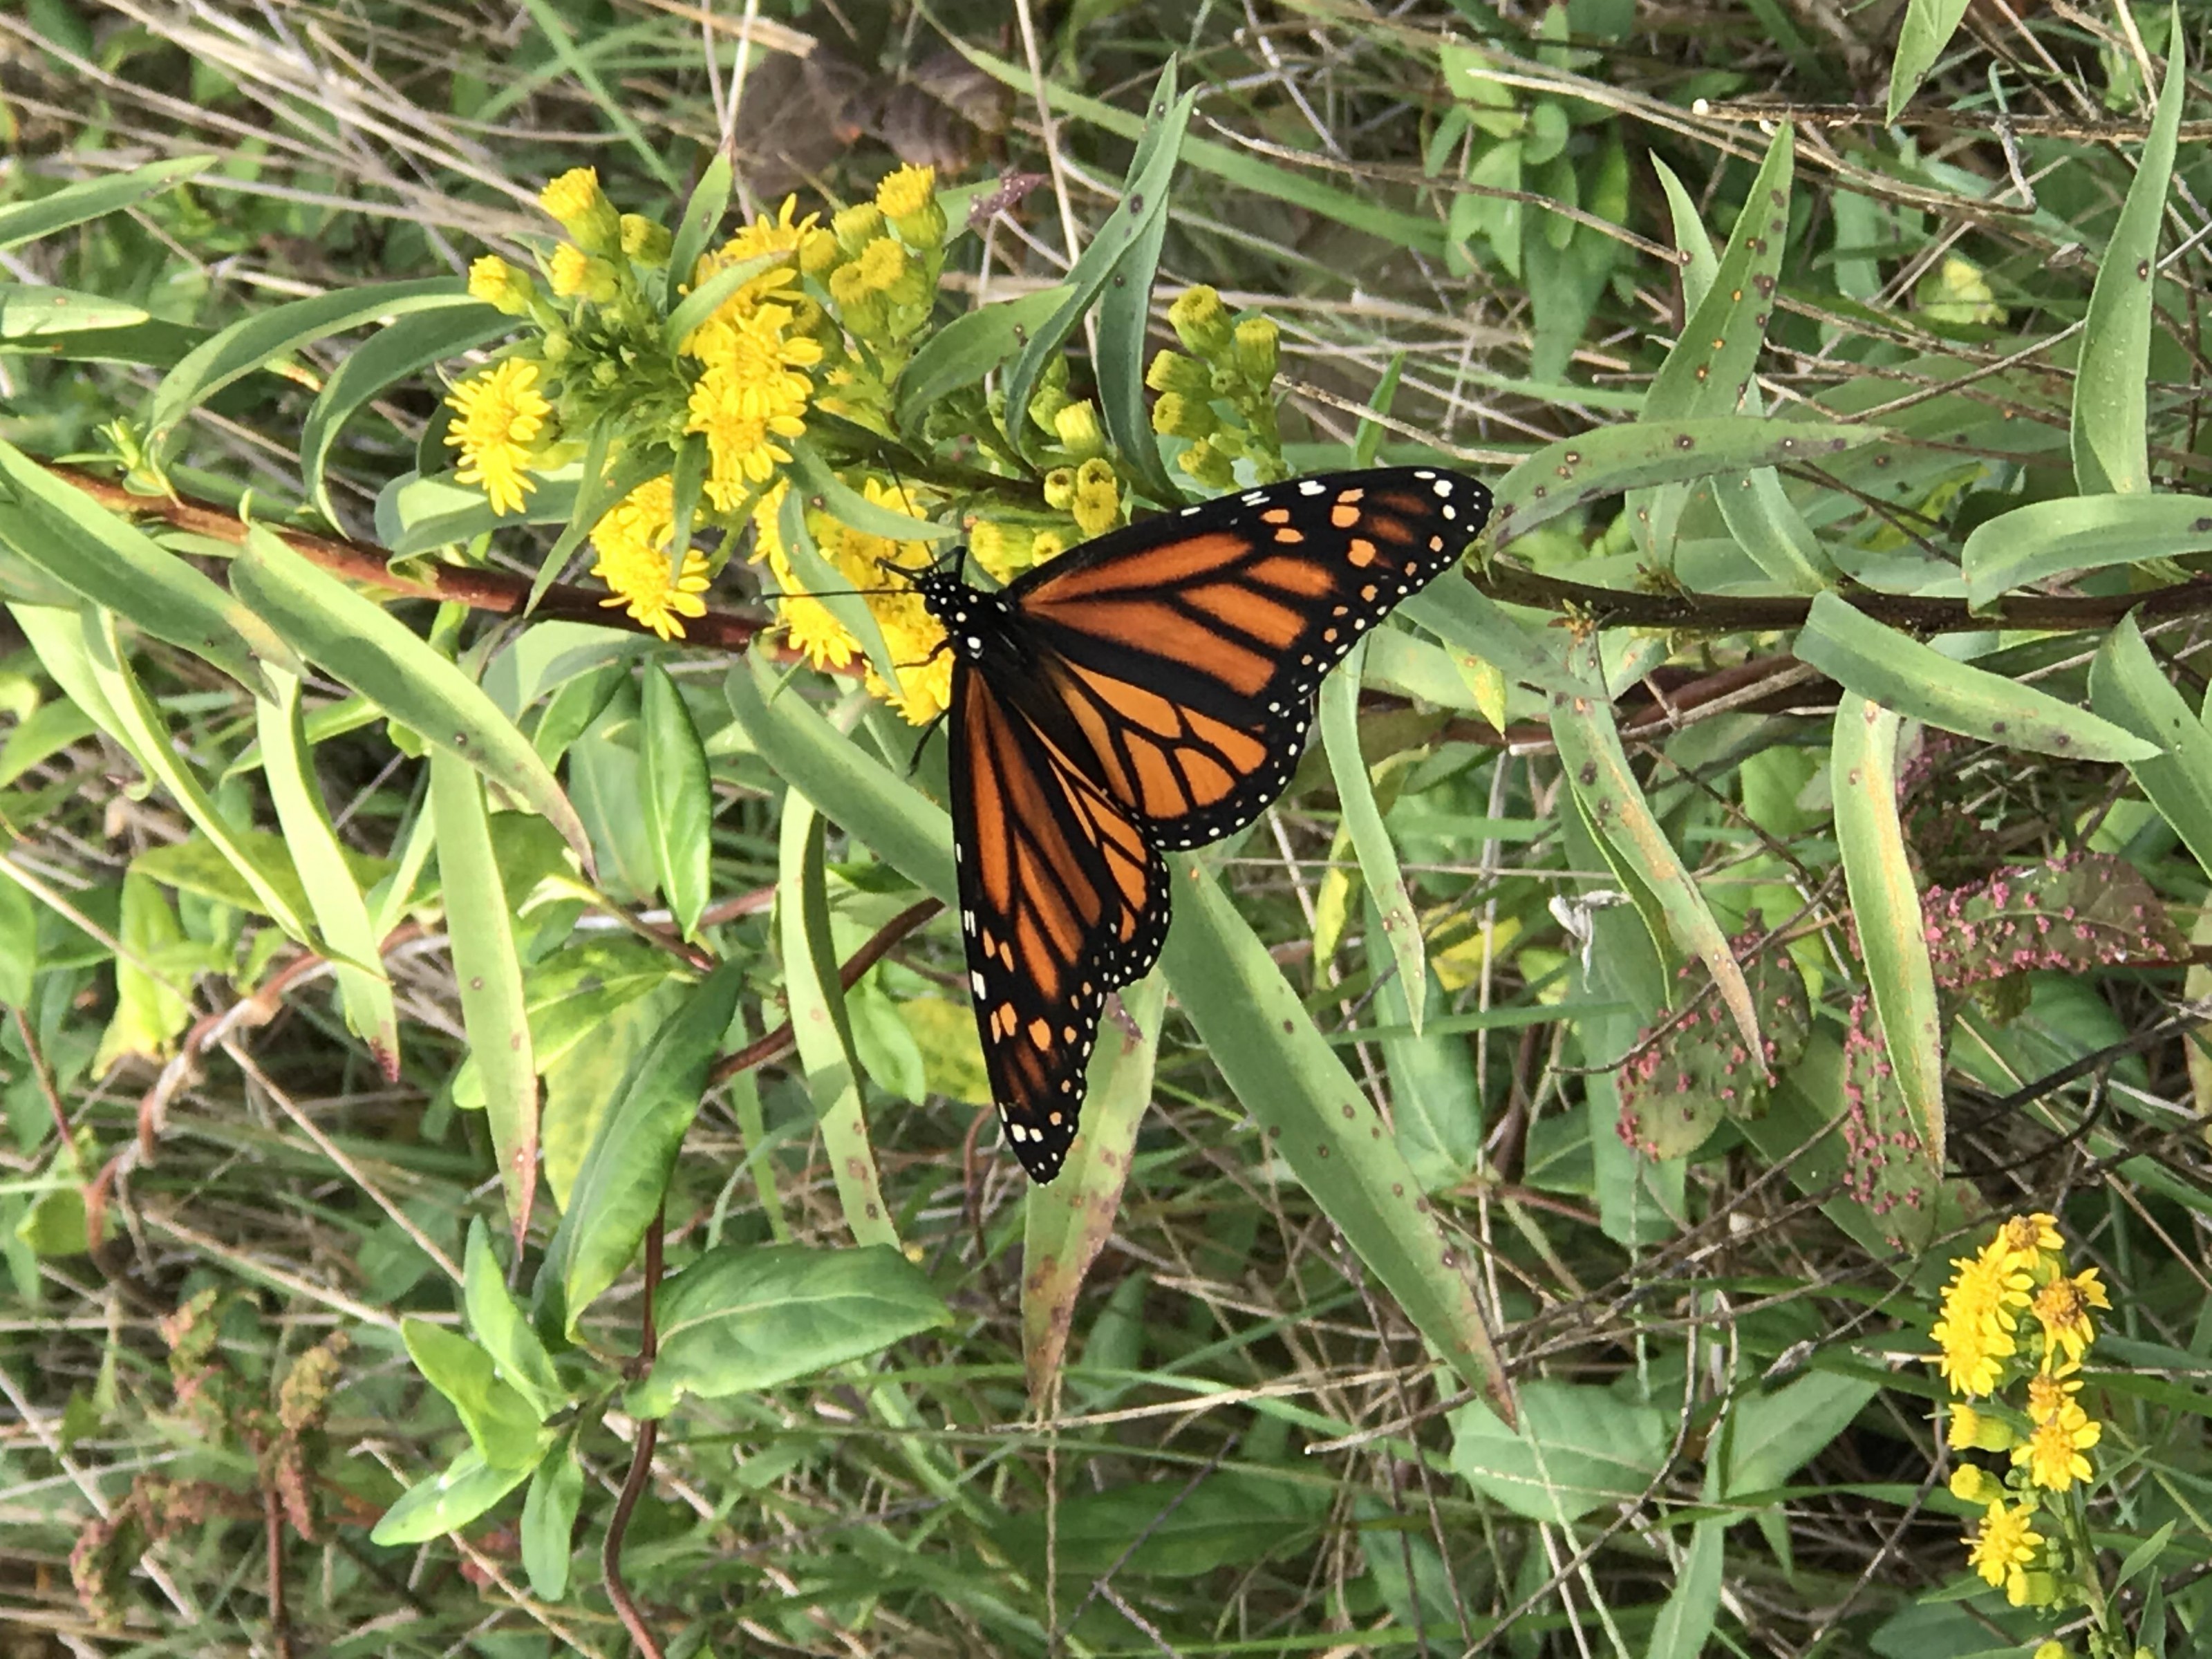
(640, 1460)
(779, 1043)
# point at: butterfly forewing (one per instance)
(1063, 899)
(1183, 654)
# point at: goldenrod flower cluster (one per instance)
(1220, 397)
(813, 322)
(2012, 1331)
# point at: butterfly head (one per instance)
(973, 619)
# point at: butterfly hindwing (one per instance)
(1063, 899)
(1183, 651)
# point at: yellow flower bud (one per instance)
(646, 242)
(1060, 488)
(1001, 549)
(907, 199)
(2051, 1650)
(576, 274)
(1047, 544)
(1972, 1484)
(498, 283)
(1201, 323)
(1258, 353)
(1208, 465)
(1078, 426)
(817, 252)
(859, 307)
(1098, 504)
(1173, 372)
(579, 206)
(857, 226)
(1174, 416)
(1970, 1430)
(2032, 1589)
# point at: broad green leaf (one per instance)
(818, 1022)
(448, 1501)
(1884, 666)
(2080, 532)
(1067, 1222)
(267, 336)
(744, 1319)
(2127, 686)
(2112, 393)
(325, 873)
(1576, 472)
(393, 354)
(480, 927)
(41, 734)
(968, 348)
(549, 1512)
(508, 1336)
(1480, 630)
(1436, 1099)
(1578, 1448)
(626, 1171)
(1926, 30)
(1125, 318)
(151, 1008)
(1598, 772)
(502, 1424)
(678, 800)
(375, 653)
(1169, 1529)
(583, 1079)
(1773, 1434)
(75, 204)
(19, 945)
(1118, 242)
(1886, 909)
(1312, 1115)
(1371, 841)
(198, 866)
(66, 535)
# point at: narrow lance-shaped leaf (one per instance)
(1886, 909)
(481, 929)
(1921, 38)
(818, 1025)
(2076, 533)
(679, 801)
(330, 891)
(1371, 841)
(2126, 685)
(2112, 394)
(75, 204)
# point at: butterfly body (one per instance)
(1148, 692)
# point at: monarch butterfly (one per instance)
(1148, 690)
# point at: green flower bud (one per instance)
(1078, 426)
(1174, 416)
(857, 226)
(1258, 353)
(646, 242)
(1209, 467)
(1173, 372)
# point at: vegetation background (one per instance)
(255, 1260)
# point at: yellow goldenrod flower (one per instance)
(633, 543)
(574, 274)
(496, 283)
(2050, 1651)
(645, 241)
(915, 639)
(2049, 1392)
(1000, 548)
(1957, 292)
(886, 267)
(501, 413)
(579, 206)
(1097, 503)
(753, 390)
(2032, 1589)
(2053, 1453)
(2024, 1239)
(1258, 350)
(2003, 1542)
(1059, 488)
(1202, 324)
(1979, 1317)
(906, 193)
(2062, 1308)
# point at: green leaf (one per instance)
(325, 873)
(1122, 238)
(702, 214)
(75, 204)
(1066, 1223)
(1312, 1115)
(1885, 906)
(1884, 666)
(830, 587)
(1579, 1449)
(704, 301)
(1927, 29)
(1170, 1530)
(741, 1320)
(448, 1501)
(65, 534)
(375, 653)
(968, 348)
(549, 1516)
(1576, 472)
(502, 1425)
(1685, 1618)
(151, 1008)
(2127, 686)
(1774, 1433)
(1482, 631)
(394, 354)
(19, 945)
(2112, 393)
(678, 801)
(819, 1028)
(820, 483)
(626, 1170)
(2078, 533)
(1371, 841)
(508, 1338)
(1436, 1099)
(33, 310)
(1598, 772)
(266, 337)
(1124, 317)
(480, 927)
(198, 866)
